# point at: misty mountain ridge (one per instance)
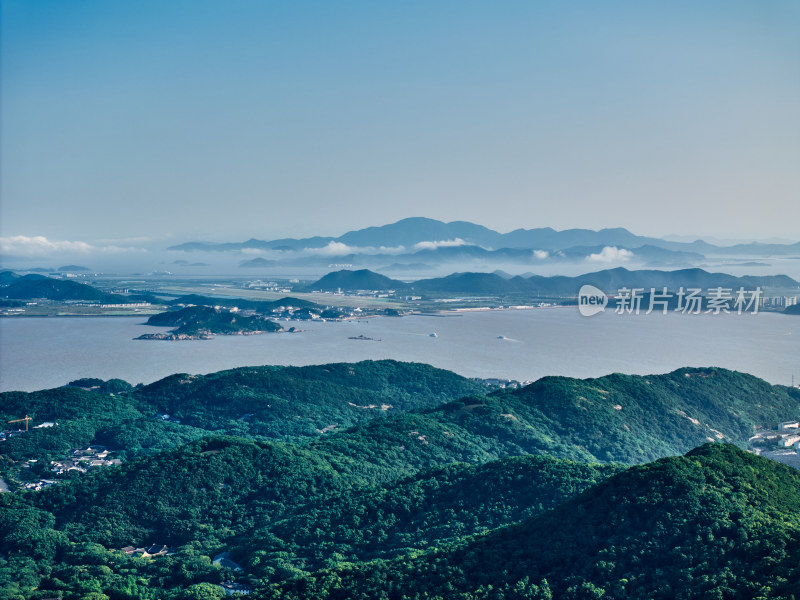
(419, 233)
(497, 283)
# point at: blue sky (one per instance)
(237, 119)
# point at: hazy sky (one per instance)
(233, 119)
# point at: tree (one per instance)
(203, 591)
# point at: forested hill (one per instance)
(717, 523)
(302, 402)
(617, 418)
(363, 279)
(280, 403)
(38, 286)
(194, 320)
(291, 470)
(428, 417)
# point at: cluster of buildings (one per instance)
(267, 286)
(362, 293)
(38, 485)
(83, 459)
(778, 302)
(789, 435)
(785, 437)
(80, 460)
(114, 305)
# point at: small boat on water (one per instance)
(434, 334)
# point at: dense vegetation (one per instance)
(302, 402)
(618, 418)
(717, 523)
(194, 320)
(422, 511)
(278, 403)
(393, 480)
(210, 488)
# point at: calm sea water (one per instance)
(37, 353)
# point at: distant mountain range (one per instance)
(492, 283)
(423, 238)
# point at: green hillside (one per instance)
(383, 479)
(301, 402)
(81, 414)
(206, 489)
(617, 418)
(717, 523)
(280, 403)
(428, 417)
(418, 512)
(279, 510)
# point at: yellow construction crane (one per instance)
(27, 420)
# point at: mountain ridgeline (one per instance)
(383, 479)
(415, 232)
(608, 280)
(416, 244)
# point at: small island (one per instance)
(202, 322)
(362, 337)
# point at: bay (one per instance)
(39, 353)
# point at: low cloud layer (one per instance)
(337, 249)
(433, 245)
(340, 249)
(22, 245)
(36, 246)
(611, 254)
